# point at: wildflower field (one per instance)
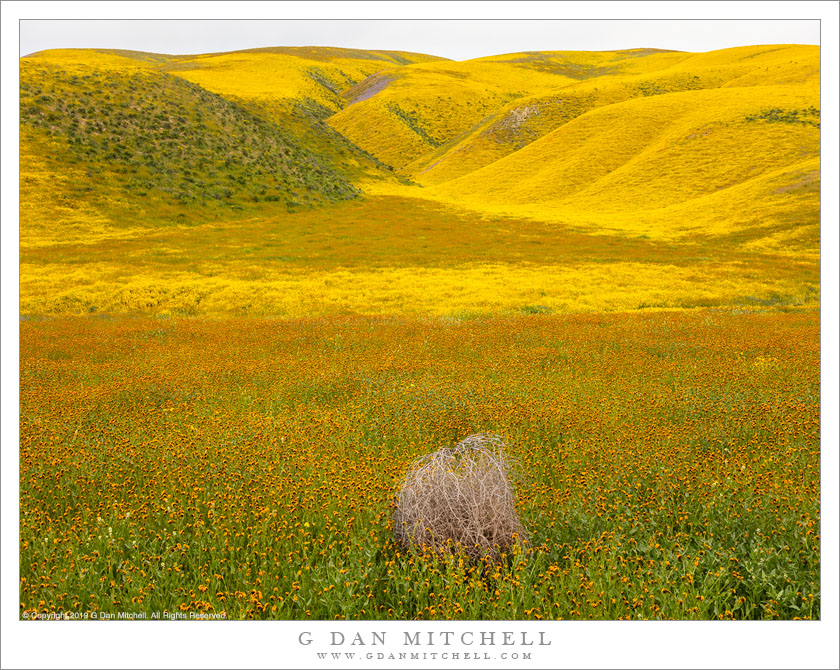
(669, 463)
(256, 286)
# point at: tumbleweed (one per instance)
(460, 498)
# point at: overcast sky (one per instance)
(459, 40)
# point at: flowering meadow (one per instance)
(669, 464)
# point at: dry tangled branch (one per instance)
(460, 498)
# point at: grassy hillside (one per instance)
(562, 181)
(402, 115)
(147, 147)
(527, 119)
(310, 76)
(165, 134)
(116, 139)
(299, 89)
(656, 154)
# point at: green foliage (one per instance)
(809, 116)
(305, 120)
(536, 309)
(319, 77)
(551, 64)
(155, 131)
(411, 119)
(672, 84)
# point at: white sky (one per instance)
(456, 39)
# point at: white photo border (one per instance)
(278, 644)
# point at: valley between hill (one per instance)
(296, 181)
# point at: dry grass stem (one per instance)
(460, 499)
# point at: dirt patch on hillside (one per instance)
(366, 88)
(810, 181)
(638, 53)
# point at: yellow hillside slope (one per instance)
(158, 139)
(298, 88)
(527, 119)
(315, 75)
(649, 154)
(400, 116)
(221, 183)
(113, 140)
(83, 60)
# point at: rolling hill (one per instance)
(655, 154)
(149, 128)
(402, 115)
(714, 155)
(527, 119)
